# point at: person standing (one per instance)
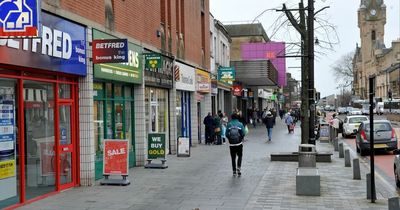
(269, 124)
(209, 128)
(235, 134)
(217, 128)
(224, 123)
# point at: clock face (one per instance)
(373, 12)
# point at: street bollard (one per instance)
(356, 169)
(336, 144)
(369, 187)
(341, 151)
(393, 203)
(347, 162)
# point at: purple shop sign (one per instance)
(269, 51)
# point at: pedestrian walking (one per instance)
(269, 124)
(209, 128)
(254, 117)
(235, 134)
(289, 122)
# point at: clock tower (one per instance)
(371, 21)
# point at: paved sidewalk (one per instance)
(205, 181)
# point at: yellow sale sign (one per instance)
(7, 169)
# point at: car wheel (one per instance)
(396, 177)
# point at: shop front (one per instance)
(185, 89)
(113, 88)
(39, 123)
(158, 85)
(203, 96)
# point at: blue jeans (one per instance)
(269, 131)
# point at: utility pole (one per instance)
(311, 90)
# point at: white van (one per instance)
(380, 108)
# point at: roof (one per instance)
(247, 29)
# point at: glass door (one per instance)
(66, 149)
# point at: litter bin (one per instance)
(307, 155)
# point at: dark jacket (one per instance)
(269, 121)
(209, 122)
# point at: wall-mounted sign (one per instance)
(62, 47)
(156, 145)
(162, 74)
(110, 50)
(130, 72)
(153, 61)
(116, 156)
(226, 74)
(237, 90)
(251, 94)
(203, 81)
(184, 77)
(183, 147)
(19, 18)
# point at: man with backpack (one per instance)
(269, 122)
(235, 134)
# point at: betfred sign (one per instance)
(19, 18)
(237, 90)
(110, 51)
(115, 157)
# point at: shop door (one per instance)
(66, 141)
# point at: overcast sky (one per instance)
(342, 14)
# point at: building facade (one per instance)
(64, 106)
(372, 58)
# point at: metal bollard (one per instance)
(347, 162)
(393, 203)
(369, 187)
(356, 169)
(341, 151)
(336, 144)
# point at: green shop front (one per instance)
(113, 86)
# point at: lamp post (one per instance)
(310, 57)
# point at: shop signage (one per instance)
(226, 74)
(62, 47)
(153, 61)
(159, 77)
(203, 81)
(183, 147)
(184, 77)
(214, 87)
(110, 51)
(237, 90)
(116, 156)
(7, 169)
(19, 18)
(156, 145)
(130, 71)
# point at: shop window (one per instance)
(9, 170)
(118, 91)
(64, 91)
(39, 137)
(109, 90)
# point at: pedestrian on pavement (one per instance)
(209, 128)
(335, 124)
(224, 123)
(235, 134)
(289, 122)
(217, 128)
(254, 116)
(269, 123)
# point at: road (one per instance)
(383, 160)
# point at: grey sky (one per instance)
(342, 14)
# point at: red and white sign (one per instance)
(116, 156)
(237, 90)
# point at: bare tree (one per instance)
(343, 70)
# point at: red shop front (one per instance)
(39, 119)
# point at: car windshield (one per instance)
(355, 109)
(357, 119)
(379, 126)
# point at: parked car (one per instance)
(352, 123)
(355, 111)
(348, 109)
(396, 167)
(384, 136)
(341, 110)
